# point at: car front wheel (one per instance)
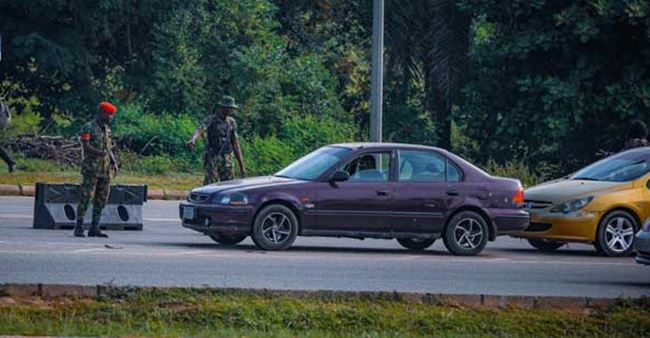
(275, 228)
(416, 244)
(466, 234)
(545, 245)
(228, 240)
(615, 236)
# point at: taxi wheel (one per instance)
(416, 244)
(615, 235)
(545, 245)
(466, 234)
(275, 228)
(228, 240)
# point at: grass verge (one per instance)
(209, 312)
(32, 171)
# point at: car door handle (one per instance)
(453, 193)
(381, 193)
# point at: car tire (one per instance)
(416, 244)
(228, 239)
(544, 244)
(457, 230)
(275, 228)
(615, 234)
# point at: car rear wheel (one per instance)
(615, 236)
(544, 244)
(275, 228)
(227, 240)
(466, 234)
(416, 244)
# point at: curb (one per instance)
(488, 301)
(154, 194)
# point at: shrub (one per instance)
(265, 156)
(515, 169)
(306, 133)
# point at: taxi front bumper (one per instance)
(579, 226)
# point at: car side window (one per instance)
(453, 172)
(369, 167)
(422, 166)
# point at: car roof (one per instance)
(371, 145)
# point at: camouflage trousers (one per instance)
(97, 189)
(218, 168)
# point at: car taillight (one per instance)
(518, 197)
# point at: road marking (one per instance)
(15, 216)
(89, 250)
(163, 219)
(153, 219)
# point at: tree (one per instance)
(554, 81)
(427, 42)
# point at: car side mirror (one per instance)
(340, 176)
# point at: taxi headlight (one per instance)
(572, 206)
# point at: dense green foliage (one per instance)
(543, 83)
(555, 81)
(223, 313)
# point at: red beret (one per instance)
(108, 107)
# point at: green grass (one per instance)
(31, 171)
(206, 312)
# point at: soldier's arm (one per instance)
(88, 149)
(197, 133)
(238, 154)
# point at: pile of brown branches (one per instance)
(66, 151)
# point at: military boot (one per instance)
(94, 230)
(79, 228)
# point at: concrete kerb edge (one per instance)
(461, 300)
(29, 190)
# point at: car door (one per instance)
(361, 204)
(428, 185)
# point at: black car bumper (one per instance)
(510, 221)
(217, 220)
(642, 247)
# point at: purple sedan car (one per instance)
(415, 194)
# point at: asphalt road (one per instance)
(165, 254)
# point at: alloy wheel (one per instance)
(468, 233)
(619, 234)
(276, 228)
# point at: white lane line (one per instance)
(88, 250)
(15, 216)
(153, 219)
(162, 219)
(140, 251)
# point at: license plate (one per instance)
(188, 213)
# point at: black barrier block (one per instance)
(55, 207)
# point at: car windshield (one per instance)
(623, 167)
(314, 164)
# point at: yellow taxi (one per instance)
(603, 204)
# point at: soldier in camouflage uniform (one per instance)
(221, 143)
(637, 135)
(5, 117)
(97, 168)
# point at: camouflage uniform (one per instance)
(96, 170)
(217, 160)
(636, 143)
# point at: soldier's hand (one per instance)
(190, 144)
(244, 174)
